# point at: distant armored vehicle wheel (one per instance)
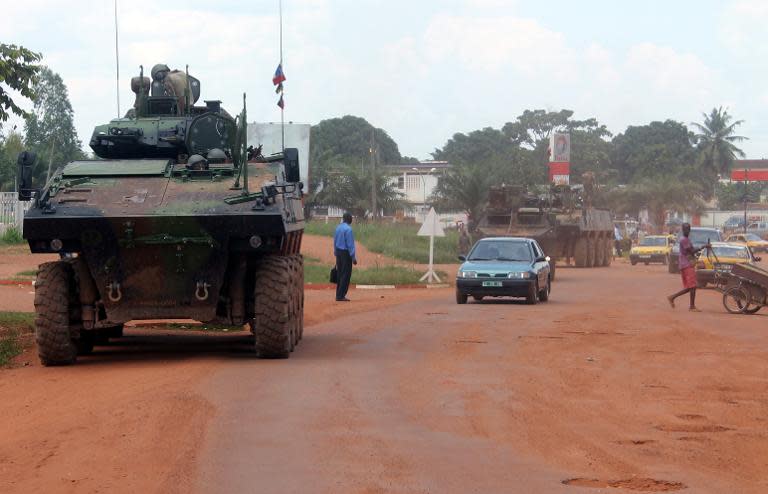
(54, 322)
(608, 246)
(273, 318)
(580, 253)
(599, 253)
(590, 253)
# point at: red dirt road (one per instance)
(604, 386)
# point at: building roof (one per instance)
(423, 166)
(750, 164)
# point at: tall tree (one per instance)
(348, 140)
(18, 72)
(715, 139)
(646, 152)
(50, 129)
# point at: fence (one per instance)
(12, 211)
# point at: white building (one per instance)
(417, 182)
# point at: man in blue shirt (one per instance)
(344, 250)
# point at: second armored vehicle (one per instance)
(565, 224)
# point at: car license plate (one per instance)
(723, 267)
(492, 283)
(645, 256)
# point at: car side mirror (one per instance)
(24, 163)
(542, 259)
(462, 258)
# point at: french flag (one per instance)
(279, 76)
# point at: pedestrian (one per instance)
(617, 240)
(464, 241)
(686, 261)
(344, 250)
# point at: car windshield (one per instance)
(500, 250)
(732, 251)
(752, 237)
(653, 241)
(700, 237)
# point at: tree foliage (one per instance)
(731, 196)
(10, 147)
(349, 187)
(715, 139)
(18, 72)
(50, 129)
(658, 196)
(658, 149)
(348, 141)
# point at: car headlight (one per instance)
(467, 274)
(519, 275)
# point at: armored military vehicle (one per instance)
(177, 218)
(562, 221)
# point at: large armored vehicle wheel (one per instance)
(276, 301)
(56, 322)
(297, 261)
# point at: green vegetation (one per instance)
(12, 325)
(32, 273)
(387, 275)
(11, 236)
(396, 240)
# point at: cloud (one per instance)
(742, 27)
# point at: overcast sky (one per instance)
(422, 70)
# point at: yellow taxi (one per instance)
(721, 256)
(751, 240)
(652, 248)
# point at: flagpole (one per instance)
(282, 108)
(117, 64)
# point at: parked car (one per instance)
(699, 237)
(722, 256)
(504, 267)
(751, 240)
(652, 248)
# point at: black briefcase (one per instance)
(334, 277)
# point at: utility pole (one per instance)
(372, 150)
(746, 174)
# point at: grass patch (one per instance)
(11, 236)
(12, 325)
(396, 240)
(32, 273)
(388, 275)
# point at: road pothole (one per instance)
(636, 442)
(633, 484)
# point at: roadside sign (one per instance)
(431, 228)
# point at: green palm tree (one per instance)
(716, 139)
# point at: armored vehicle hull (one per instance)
(213, 239)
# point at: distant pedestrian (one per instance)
(617, 238)
(465, 242)
(344, 250)
(686, 261)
